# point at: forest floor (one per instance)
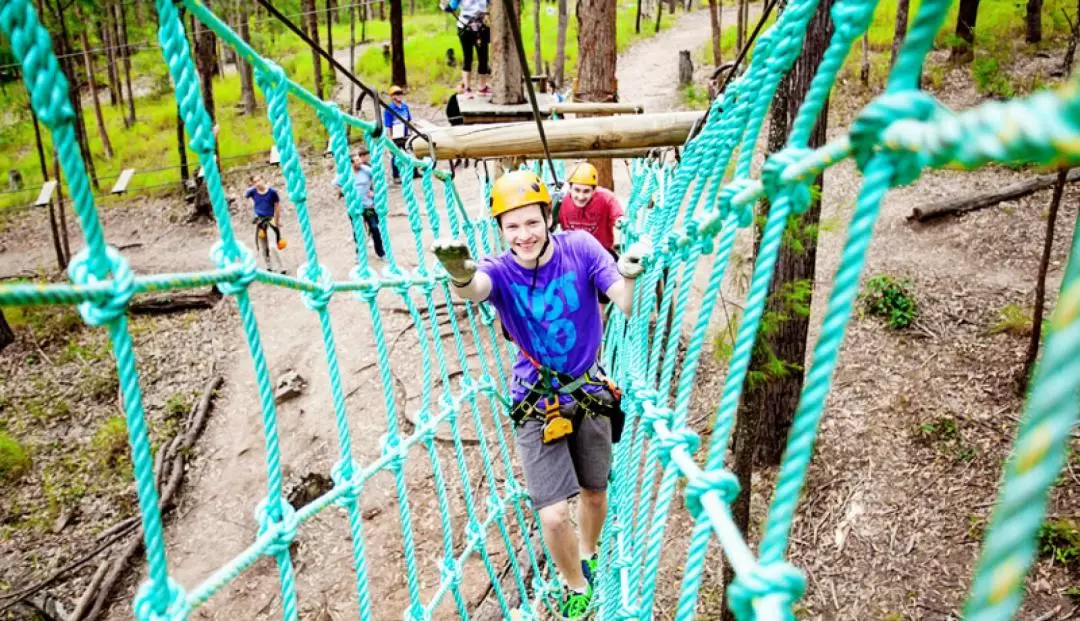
(905, 471)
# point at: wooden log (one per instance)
(175, 303)
(587, 107)
(617, 133)
(952, 207)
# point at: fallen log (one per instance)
(951, 207)
(175, 303)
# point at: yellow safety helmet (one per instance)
(585, 174)
(515, 189)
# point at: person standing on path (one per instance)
(362, 181)
(565, 410)
(473, 32)
(266, 203)
(399, 131)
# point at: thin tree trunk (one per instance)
(560, 44)
(506, 71)
(864, 69)
(715, 21)
(7, 337)
(382, 10)
(130, 119)
(740, 25)
(659, 14)
(901, 29)
(185, 173)
(964, 50)
(311, 18)
(538, 59)
(637, 18)
(247, 84)
(60, 205)
(412, 7)
(61, 258)
(1034, 21)
(104, 33)
(596, 65)
(205, 59)
(331, 76)
(363, 24)
(68, 66)
(352, 62)
(113, 24)
(1040, 283)
(102, 131)
(397, 46)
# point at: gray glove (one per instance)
(455, 258)
(629, 264)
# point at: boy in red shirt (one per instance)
(590, 208)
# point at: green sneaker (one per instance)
(574, 605)
(593, 562)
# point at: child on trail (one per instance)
(266, 203)
(362, 181)
(473, 32)
(565, 409)
(590, 208)
(399, 131)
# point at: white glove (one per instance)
(455, 258)
(629, 264)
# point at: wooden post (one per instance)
(624, 134)
(596, 65)
(686, 69)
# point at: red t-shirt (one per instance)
(597, 218)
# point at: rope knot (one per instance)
(120, 291)
(449, 572)
(319, 276)
(391, 447)
(150, 606)
(279, 520)
(367, 281)
(851, 18)
(869, 127)
(727, 195)
(273, 78)
(722, 482)
(244, 259)
(683, 437)
(773, 579)
(515, 491)
(652, 414)
(341, 475)
(797, 192)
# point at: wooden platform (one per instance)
(480, 109)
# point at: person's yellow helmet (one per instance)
(515, 189)
(585, 174)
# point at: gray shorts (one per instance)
(557, 471)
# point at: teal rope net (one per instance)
(692, 218)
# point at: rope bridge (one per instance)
(692, 217)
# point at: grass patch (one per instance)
(695, 97)
(109, 445)
(1013, 320)
(890, 298)
(1060, 540)
(14, 459)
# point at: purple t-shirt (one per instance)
(558, 321)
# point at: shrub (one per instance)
(892, 299)
(14, 460)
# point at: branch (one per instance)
(935, 211)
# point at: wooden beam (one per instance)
(585, 107)
(573, 136)
(122, 181)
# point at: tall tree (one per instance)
(596, 64)
(113, 24)
(247, 85)
(106, 145)
(61, 258)
(741, 13)
(964, 49)
(205, 59)
(129, 120)
(311, 18)
(506, 72)
(901, 29)
(659, 14)
(538, 59)
(397, 45)
(1034, 21)
(67, 65)
(715, 16)
(560, 45)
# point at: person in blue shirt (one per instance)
(362, 181)
(399, 131)
(266, 204)
(473, 32)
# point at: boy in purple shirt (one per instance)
(545, 291)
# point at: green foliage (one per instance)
(45, 323)
(695, 97)
(177, 405)
(1073, 593)
(885, 296)
(14, 460)
(1012, 319)
(942, 429)
(109, 445)
(1060, 540)
(989, 77)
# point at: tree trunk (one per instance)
(7, 337)
(382, 10)
(1040, 283)
(775, 398)
(560, 45)
(637, 18)
(90, 78)
(715, 13)
(740, 26)
(113, 24)
(1034, 21)
(964, 50)
(901, 29)
(205, 59)
(311, 27)
(397, 46)
(671, 6)
(352, 62)
(864, 69)
(126, 51)
(247, 84)
(659, 14)
(185, 173)
(506, 72)
(104, 32)
(596, 65)
(363, 25)
(330, 75)
(538, 58)
(412, 7)
(68, 67)
(60, 205)
(742, 466)
(61, 258)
